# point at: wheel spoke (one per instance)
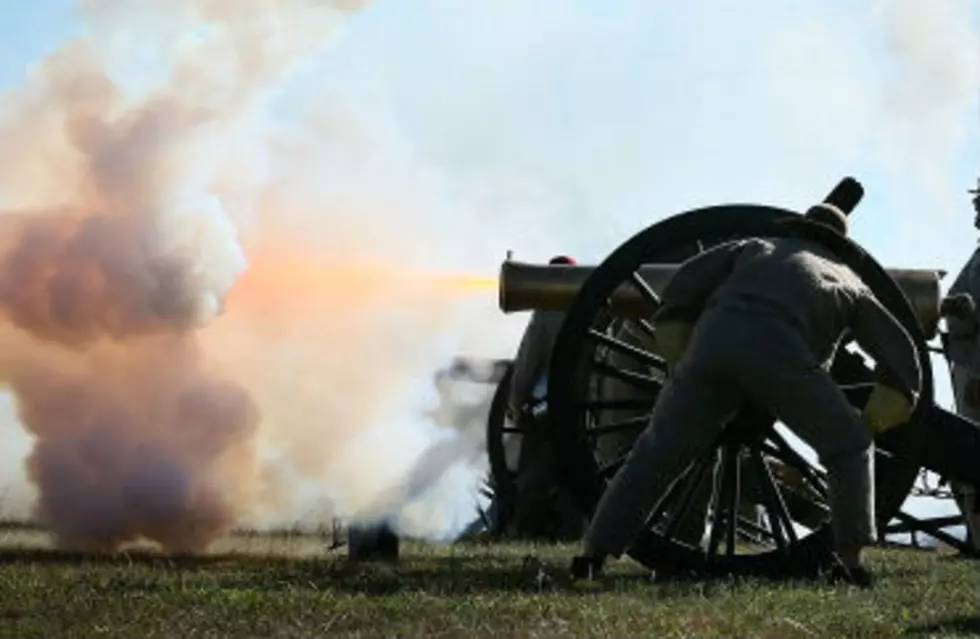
(731, 470)
(776, 529)
(811, 479)
(615, 404)
(694, 478)
(647, 327)
(637, 380)
(633, 423)
(644, 290)
(774, 498)
(619, 345)
(665, 499)
(805, 504)
(781, 449)
(718, 497)
(746, 523)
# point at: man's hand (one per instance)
(972, 392)
(886, 408)
(961, 306)
(672, 339)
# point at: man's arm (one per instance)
(696, 279)
(878, 332)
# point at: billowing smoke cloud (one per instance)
(117, 247)
(113, 256)
(232, 232)
(134, 439)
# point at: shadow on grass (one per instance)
(969, 625)
(45, 556)
(444, 577)
(435, 576)
(332, 571)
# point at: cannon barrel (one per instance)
(545, 287)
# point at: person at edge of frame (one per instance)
(963, 353)
(542, 508)
(762, 319)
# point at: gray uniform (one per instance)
(610, 447)
(770, 315)
(963, 352)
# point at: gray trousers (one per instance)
(966, 495)
(737, 354)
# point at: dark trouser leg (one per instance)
(688, 416)
(811, 404)
(965, 494)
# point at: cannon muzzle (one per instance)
(528, 287)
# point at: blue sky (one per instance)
(634, 110)
(566, 126)
(31, 30)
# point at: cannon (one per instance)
(607, 342)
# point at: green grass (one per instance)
(288, 586)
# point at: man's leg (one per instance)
(811, 404)
(689, 414)
(612, 446)
(965, 494)
(966, 499)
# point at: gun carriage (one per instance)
(606, 374)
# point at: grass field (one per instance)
(290, 586)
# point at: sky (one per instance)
(567, 126)
(617, 114)
(610, 117)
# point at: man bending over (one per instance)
(760, 320)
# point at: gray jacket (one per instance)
(805, 283)
(534, 354)
(962, 347)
